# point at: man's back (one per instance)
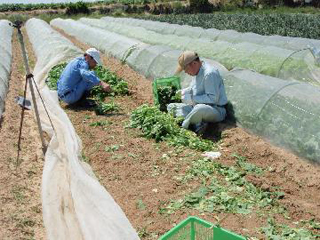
(71, 75)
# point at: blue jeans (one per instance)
(76, 93)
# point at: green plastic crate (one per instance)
(194, 228)
(169, 81)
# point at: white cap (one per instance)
(95, 54)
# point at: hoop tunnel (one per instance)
(6, 56)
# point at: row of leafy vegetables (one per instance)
(284, 24)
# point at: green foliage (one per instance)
(100, 123)
(312, 223)
(103, 108)
(200, 6)
(284, 24)
(276, 231)
(77, 7)
(30, 7)
(224, 189)
(249, 167)
(164, 127)
(166, 95)
(54, 75)
(118, 85)
(112, 148)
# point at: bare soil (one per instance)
(141, 174)
(20, 180)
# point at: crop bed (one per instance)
(158, 185)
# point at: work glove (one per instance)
(186, 96)
(186, 91)
(187, 99)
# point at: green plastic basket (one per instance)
(194, 228)
(169, 81)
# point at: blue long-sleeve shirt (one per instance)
(76, 71)
(208, 87)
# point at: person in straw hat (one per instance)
(205, 99)
(77, 78)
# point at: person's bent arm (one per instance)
(212, 87)
(89, 76)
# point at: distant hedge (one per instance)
(29, 7)
(293, 25)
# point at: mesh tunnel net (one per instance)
(137, 54)
(285, 112)
(252, 95)
(264, 59)
(6, 56)
(291, 43)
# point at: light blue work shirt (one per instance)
(76, 79)
(208, 96)
(207, 87)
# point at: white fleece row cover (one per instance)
(75, 205)
(285, 112)
(5, 64)
(269, 60)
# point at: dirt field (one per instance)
(140, 174)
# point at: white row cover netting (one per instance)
(286, 112)
(75, 205)
(269, 60)
(232, 36)
(5, 55)
(151, 61)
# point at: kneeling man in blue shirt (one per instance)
(77, 78)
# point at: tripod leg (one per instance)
(21, 122)
(43, 104)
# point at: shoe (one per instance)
(200, 128)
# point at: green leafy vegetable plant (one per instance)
(281, 231)
(54, 75)
(100, 123)
(164, 127)
(224, 189)
(118, 85)
(103, 108)
(166, 95)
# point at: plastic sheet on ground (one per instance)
(75, 205)
(5, 55)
